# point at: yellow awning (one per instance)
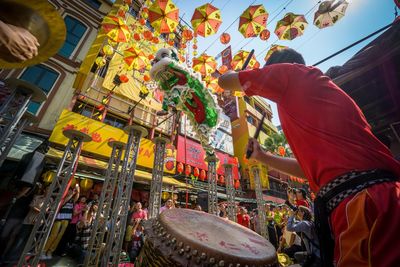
(99, 164)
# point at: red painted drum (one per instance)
(182, 237)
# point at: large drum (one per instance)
(182, 237)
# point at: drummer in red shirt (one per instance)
(243, 218)
(355, 176)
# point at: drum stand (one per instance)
(120, 207)
(41, 230)
(156, 181)
(99, 227)
(262, 221)
(230, 192)
(12, 111)
(212, 184)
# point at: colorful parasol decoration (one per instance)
(163, 16)
(252, 21)
(135, 59)
(329, 13)
(239, 59)
(204, 64)
(116, 29)
(273, 49)
(206, 20)
(291, 26)
(212, 84)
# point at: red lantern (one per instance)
(142, 21)
(256, 65)
(281, 150)
(150, 57)
(188, 170)
(225, 38)
(128, 2)
(179, 167)
(222, 69)
(171, 42)
(265, 34)
(203, 175)
(136, 36)
(155, 40)
(183, 46)
(187, 34)
(145, 10)
(146, 78)
(194, 46)
(121, 13)
(196, 172)
(221, 179)
(237, 184)
(123, 78)
(148, 35)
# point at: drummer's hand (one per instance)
(258, 153)
(16, 43)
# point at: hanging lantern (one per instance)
(128, 2)
(203, 175)
(194, 46)
(146, 78)
(142, 21)
(179, 167)
(164, 195)
(281, 150)
(136, 37)
(196, 172)
(265, 34)
(108, 50)
(148, 35)
(86, 184)
(121, 13)
(48, 177)
(183, 45)
(145, 10)
(171, 36)
(171, 42)
(225, 38)
(145, 15)
(188, 170)
(221, 179)
(123, 78)
(100, 62)
(237, 184)
(150, 57)
(155, 40)
(187, 34)
(222, 69)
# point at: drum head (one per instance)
(204, 238)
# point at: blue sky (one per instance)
(362, 18)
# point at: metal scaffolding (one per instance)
(12, 111)
(55, 192)
(260, 203)
(230, 192)
(120, 206)
(212, 184)
(94, 250)
(156, 181)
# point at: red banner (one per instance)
(192, 153)
(226, 57)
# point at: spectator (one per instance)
(306, 227)
(136, 240)
(301, 198)
(77, 214)
(243, 218)
(61, 222)
(290, 242)
(169, 204)
(138, 212)
(222, 210)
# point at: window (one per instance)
(247, 100)
(259, 109)
(93, 3)
(114, 121)
(42, 77)
(251, 120)
(75, 31)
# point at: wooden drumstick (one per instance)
(256, 134)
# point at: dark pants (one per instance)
(19, 244)
(290, 251)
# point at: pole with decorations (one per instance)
(120, 207)
(212, 184)
(12, 112)
(262, 221)
(230, 192)
(158, 172)
(53, 198)
(105, 201)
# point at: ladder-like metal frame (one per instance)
(230, 192)
(212, 184)
(157, 176)
(13, 110)
(262, 221)
(94, 250)
(119, 210)
(42, 227)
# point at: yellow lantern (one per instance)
(124, 8)
(145, 15)
(48, 177)
(164, 195)
(86, 184)
(108, 50)
(100, 62)
(73, 182)
(171, 36)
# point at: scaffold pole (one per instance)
(13, 110)
(120, 206)
(230, 192)
(156, 181)
(52, 202)
(94, 250)
(212, 184)
(260, 203)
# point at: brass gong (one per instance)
(42, 20)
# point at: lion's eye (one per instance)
(163, 55)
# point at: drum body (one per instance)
(181, 237)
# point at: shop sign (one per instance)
(102, 133)
(192, 153)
